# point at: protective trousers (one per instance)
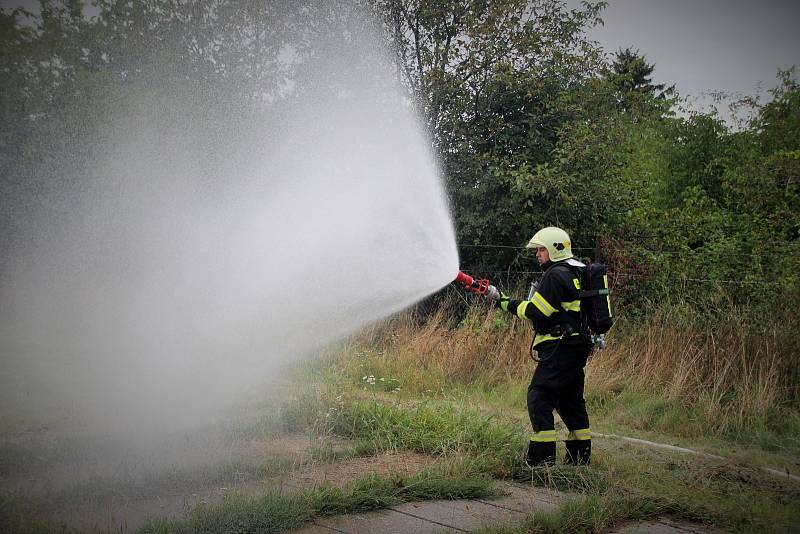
(558, 385)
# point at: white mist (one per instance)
(203, 252)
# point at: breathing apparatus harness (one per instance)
(595, 311)
(595, 316)
(560, 330)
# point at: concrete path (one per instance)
(665, 526)
(468, 515)
(444, 516)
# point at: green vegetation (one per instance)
(697, 219)
(269, 513)
(665, 377)
(463, 407)
(19, 516)
(595, 514)
(275, 512)
(461, 417)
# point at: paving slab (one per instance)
(665, 526)
(647, 527)
(691, 527)
(461, 515)
(315, 529)
(383, 521)
(518, 501)
(528, 498)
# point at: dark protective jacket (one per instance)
(555, 308)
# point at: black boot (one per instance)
(579, 451)
(541, 453)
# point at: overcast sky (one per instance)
(707, 45)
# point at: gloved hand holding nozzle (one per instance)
(493, 293)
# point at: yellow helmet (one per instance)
(555, 240)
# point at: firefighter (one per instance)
(563, 348)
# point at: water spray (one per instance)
(166, 245)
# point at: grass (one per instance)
(706, 490)
(457, 394)
(20, 516)
(446, 403)
(275, 512)
(595, 513)
(676, 376)
(295, 413)
(272, 512)
(727, 381)
(428, 427)
(652, 479)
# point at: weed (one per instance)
(595, 513)
(458, 393)
(368, 493)
(451, 414)
(451, 478)
(275, 512)
(20, 516)
(725, 381)
(567, 478)
(272, 512)
(298, 415)
(427, 427)
(325, 451)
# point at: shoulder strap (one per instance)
(574, 269)
(589, 293)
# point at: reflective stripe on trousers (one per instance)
(581, 434)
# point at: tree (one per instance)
(489, 78)
(450, 51)
(630, 71)
(631, 75)
(761, 186)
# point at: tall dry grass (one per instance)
(732, 375)
(486, 344)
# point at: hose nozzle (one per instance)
(473, 284)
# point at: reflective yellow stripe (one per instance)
(521, 307)
(544, 436)
(504, 305)
(575, 305)
(540, 302)
(580, 434)
(540, 338)
(608, 297)
(541, 308)
(547, 305)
